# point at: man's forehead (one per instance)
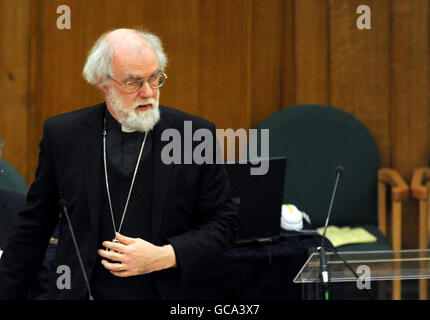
(140, 63)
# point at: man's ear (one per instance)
(103, 88)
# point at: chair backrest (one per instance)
(316, 140)
(11, 179)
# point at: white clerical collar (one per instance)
(125, 129)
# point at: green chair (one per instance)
(11, 179)
(317, 139)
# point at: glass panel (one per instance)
(383, 265)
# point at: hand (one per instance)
(135, 256)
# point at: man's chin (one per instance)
(143, 120)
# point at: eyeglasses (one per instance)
(133, 86)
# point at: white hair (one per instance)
(100, 57)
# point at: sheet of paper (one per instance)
(346, 235)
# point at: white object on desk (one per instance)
(291, 217)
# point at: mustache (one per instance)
(144, 101)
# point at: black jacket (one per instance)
(10, 204)
(191, 209)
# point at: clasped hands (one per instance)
(135, 256)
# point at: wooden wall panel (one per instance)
(14, 78)
(266, 64)
(410, 99)
(288, 80)
(410, 82)
(225, 62)
(312, 82)
(225, 65)
(359, 68)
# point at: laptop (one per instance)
(259, 199)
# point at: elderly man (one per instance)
(144, 228)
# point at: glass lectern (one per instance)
(382, 275)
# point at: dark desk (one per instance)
(262, 272)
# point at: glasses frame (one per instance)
(141, 81)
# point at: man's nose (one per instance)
(146, 91)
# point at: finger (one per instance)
(122, 274)
(112, 266)
(114, 256)
(114, 246)
(124, 240)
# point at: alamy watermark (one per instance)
(64, 278)
(64, 21)
(364, 21)
(364, 278)
(199, 147)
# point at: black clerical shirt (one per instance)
(122, 150)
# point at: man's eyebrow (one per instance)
(157, 71)
(131, 76)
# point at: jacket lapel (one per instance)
(161, 180)
(91, 140)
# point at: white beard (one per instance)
(133, 120)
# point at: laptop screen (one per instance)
(259, 198)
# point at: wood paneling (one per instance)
(233, 62)
(225, 62)
(359, 68)
(225, 65)
(267, 58)
(288, 93)
(410, 98)
(14, 79)
(410, 103)
(312, 52)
